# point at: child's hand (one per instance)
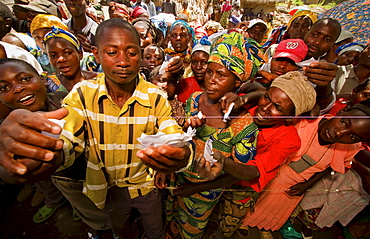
(194, 122)
(298, 190)
(161, 180)
(229, 98)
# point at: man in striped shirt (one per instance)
(106, 116)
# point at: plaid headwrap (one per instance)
(47, 21)
(239, 55)
(57, 32)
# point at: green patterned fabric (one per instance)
(240, 55)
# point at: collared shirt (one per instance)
(151, 9)
(87, 35)
(345, 80)
(169, 7)
(112, 134)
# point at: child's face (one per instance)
(219, 80)
(145, 37)
(166, 82)
(63, 56)
(199, 64)
(119, 55)
(21, 88)
(38, 35)
(152, 58)
(345, 130)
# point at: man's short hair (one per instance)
(115, 23)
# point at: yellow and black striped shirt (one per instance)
(112, 134)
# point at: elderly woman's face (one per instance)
(271, 106)
(219, 80)
(180, 38)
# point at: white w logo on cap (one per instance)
(291, 45)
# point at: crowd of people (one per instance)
(251, 131)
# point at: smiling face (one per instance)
(299, 27)
(152, 57)
(64, 56)
(21, 87)
(345, 130)
(76, 7)
(119, 54)
(219, 80)
(199, 64)
(179, 38)
(274, 104)
(321, 38)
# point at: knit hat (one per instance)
(239, 55)
(299, 90)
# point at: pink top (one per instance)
(274, 206)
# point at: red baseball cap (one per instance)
(294, 49)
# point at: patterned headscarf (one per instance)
(57, 32)
(47, 21)
(186, 25)
(239, 55)
(311, 15)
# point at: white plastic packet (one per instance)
(208, 152)
(177, 140)
(61, 123)
(226, 115)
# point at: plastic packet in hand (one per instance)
(61, 123)
(208, 152)
(306, 62)
(177, 140)
(226, 115)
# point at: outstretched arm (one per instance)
(24, 151)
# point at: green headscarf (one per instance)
(239, 55)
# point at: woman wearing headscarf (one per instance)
(229, 65)
(118, 10)
(297, 27)
(147, 31)
(182, 38)
(41, 25)
(65, 52)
